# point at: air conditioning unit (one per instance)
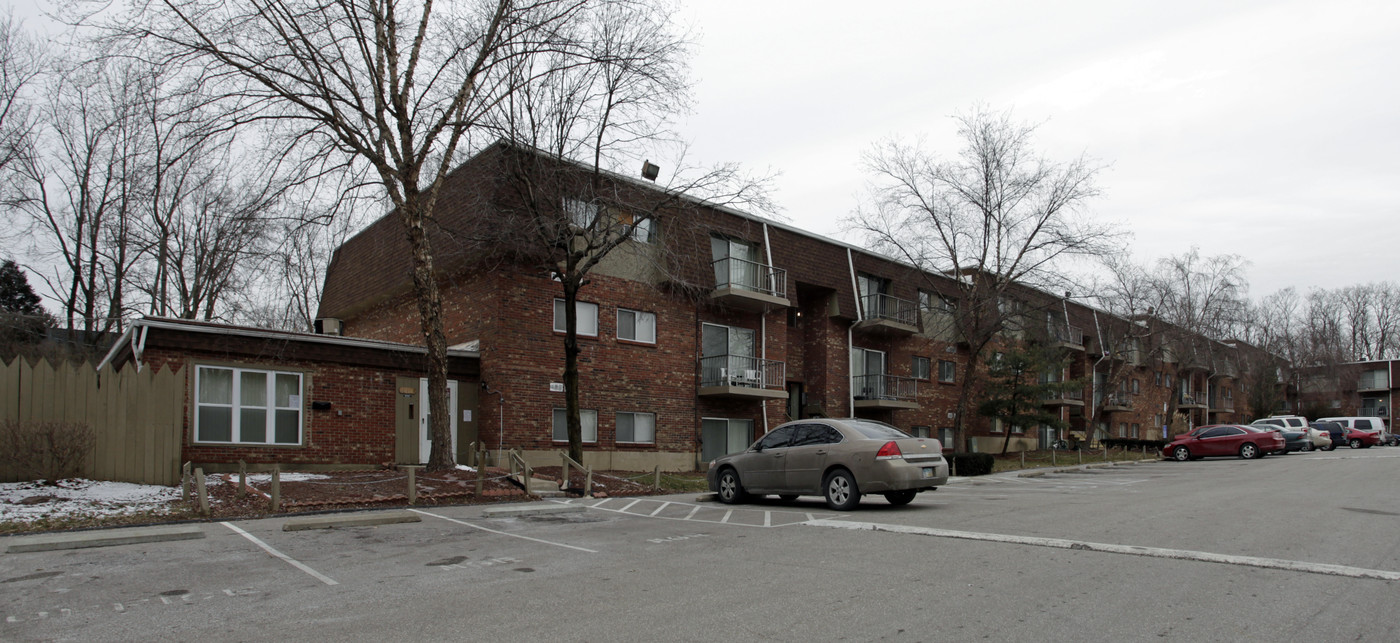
(328, 326)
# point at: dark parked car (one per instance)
(1222, 440)
(1293, 439)
(1336, 432)
(836, 459)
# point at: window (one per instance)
(729, 357)
(246, 406)
(587, 418)
(1122, 429)
(1158, 378)
(1167, 381)
(872, 291)
(587, 317)
(1136, 429)
(777, 439)
(920, 368)
(1137, 387)
(946, 371)
(996, 425)
(868, 373)
(921, 431)
(945, 437)
(1017, 429)
(580, 213)
(639, 229)
(736, 264)
(721, 436)
(639, 428)
(815, 435)
(636, 326)
(935, 303)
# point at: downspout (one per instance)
(139, 348)
(763, 325)
(860, 317)
(1094, 378)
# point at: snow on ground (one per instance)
(263, 478)
(78, 497)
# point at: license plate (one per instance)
(928, 472)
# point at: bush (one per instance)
(46, 450)
(1132, 444)
(972, 464)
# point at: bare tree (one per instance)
(570, 126)
(399, 87)
(21, 60)
(994, 216)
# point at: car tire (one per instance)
(840, 490)
(1307, 446)
(1356, 443)
(1249, 451)
(1181, 454)
(787, 497)
(901, 498)
(731, 491)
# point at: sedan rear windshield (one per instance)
(876, 430)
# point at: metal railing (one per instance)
(732, 272)
(743, 371)
(882, 306)
(884, 387)
(1223, 403)
(1065, 395)
(1121, 400)
(1069, 334)
(1191, 399)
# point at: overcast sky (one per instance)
(1262, 128)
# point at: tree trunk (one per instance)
(571, 351)
(441, 457)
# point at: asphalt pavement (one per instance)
(1296, 547)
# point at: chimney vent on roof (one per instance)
(650, 171)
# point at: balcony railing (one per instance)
(742, 274)
(886, 307)
(1192, 400)
(1065, 396)
(742, 371)
(1119, 401)
(885, 387)
(1223, 404)
(1373, 381)
(1066, 334)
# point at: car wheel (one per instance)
(1181, 454)
(1249, 451)
(787, 497)
(1355, 443)
(730, 490)
(1307, 446)
(841, 491)
(898, 498)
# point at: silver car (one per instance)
(837, 459)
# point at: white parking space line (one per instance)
(695, 510)
(285, 558)
(727, 514)
(629, 505)
(1132, 550)
(658, 509)
(503, 533)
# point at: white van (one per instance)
(1372, 425)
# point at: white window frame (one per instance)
(587, 324)
(581, 213)
(295, 403)
(952, 371)
(637, 315)
(634, 415)
(928, 367)
(559, 425)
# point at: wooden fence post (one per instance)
(185, 482)
(656, 482)
(276, 487)
(202, 491)
(412, 485)
(242, 478)
(588, 482)
(480, 471)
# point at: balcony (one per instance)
(885, 392)
(742, 377)
(748, 285)
(1192, 401)
(1373, 381)
(888, 315)
(1066, 336)
(1117, 402)
(1064, 398)
(1222, 405)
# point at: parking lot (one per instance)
(1294, 547)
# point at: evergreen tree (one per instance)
(23, 319)
(1018, 383)
(15, 294)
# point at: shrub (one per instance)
(49, 450)
(972, 464)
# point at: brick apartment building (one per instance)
(1365, 389)
(755, 323)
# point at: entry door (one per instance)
(425, 438)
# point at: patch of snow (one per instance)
(78, 497)
(463, 467)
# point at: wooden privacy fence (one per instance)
(137, 418)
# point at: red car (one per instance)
(1223, 439)
(1359, 439)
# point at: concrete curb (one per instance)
(522, 511)
(101, 538)
(351, 520)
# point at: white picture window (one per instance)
(587, 418)
(587, 317)
(636, 428)
(636, 326)
(580, 213)
(246, 406)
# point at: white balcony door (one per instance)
(425, 433)
(741, 270)
(872, 365)
(740, 345)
